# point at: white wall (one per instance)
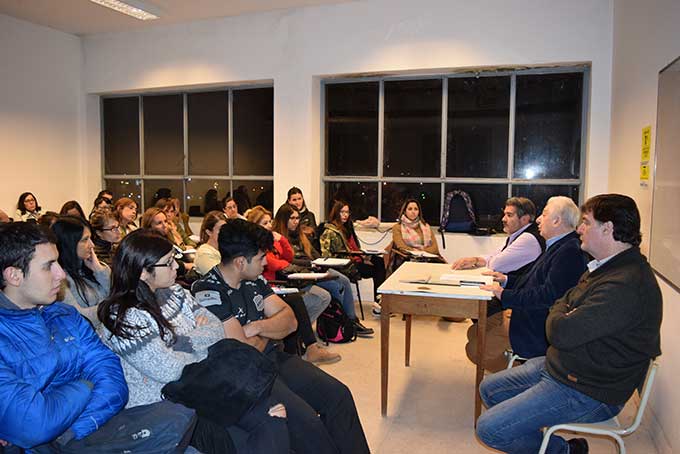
(40, 105)
(646, 38)
(295, 48)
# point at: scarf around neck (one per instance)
(411, 236)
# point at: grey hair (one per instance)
(566, 209)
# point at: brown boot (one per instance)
(316, 354)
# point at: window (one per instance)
(201, 147)
(493, 134)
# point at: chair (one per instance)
(361, 306)
(610, 428)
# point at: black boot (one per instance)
(578, 446)
(362, 331)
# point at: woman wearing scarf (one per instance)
(412, 233)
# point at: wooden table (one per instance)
(426, 299)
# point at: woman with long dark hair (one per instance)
(287, 224)
(27, 208)
(297, 201)
(87, 279)
(207, 254)
(339, 240)
(411, 232)
(72, 208)
(156, 328)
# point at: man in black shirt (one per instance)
(322, 417)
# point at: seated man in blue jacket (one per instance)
(531, 295)
(58, 382)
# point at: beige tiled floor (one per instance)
(430, 404)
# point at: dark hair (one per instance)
(209, 222)
(48, 218)
(20, 203)
(280, 225)
(228, 199)
(103, 192)
(69, 230)
(621, 211)
(240, 238)
(295, 190)
(405, 205)
(161, 193)
(334, 215)
(137, 252)
(523, 206)
(98, 201)
(70, 205)
(211, 203)
(18, 241)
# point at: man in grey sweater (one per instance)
(602, 334)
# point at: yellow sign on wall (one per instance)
(644, 171)
(646, 143)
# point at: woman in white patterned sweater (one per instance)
(156, 328)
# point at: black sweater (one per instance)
(604, 331)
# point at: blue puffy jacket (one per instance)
(55, 375)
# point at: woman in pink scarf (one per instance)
(412, 233)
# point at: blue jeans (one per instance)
(340, 289)
(524, 399)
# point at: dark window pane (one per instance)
(427, 194)
(548, 125)
(125, 188)
(413, 117)
(488, 201)
(254, 131)
(156, 189)
(352, 128)
(477, 129)
(205, 195)
(121, 136)
(362, 198)
(539, 194)
(250, 193)
(163, 135)
(208, 117)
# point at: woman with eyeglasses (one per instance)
(339, 240)
(105, 234)
(87, 279)
(156, 328)
(287, 223)
(28, 209)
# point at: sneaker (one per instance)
(376, 310)
(316, 354)
(578, 446)
(362, 331)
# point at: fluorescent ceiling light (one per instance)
(132, 8)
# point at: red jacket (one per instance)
(278, 259)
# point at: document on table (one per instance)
(331, 262)
(308, 276)
(374, 251)
(424, 254)
(284, 290)
(453, 279)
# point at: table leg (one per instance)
(384, 352)
(407, 347)
(481, 348)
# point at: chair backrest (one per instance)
(644, 396)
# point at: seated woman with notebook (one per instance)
(412, 237)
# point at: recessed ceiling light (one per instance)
(132, 8)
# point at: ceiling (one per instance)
(81, 17)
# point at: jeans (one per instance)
(316, 300)
(340, 288)
(321, 415)
(524, 399)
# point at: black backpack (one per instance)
(333, 325)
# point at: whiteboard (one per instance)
(664, 252)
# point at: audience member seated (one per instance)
(175, 228)
(155, 219)
(339, 239)
(211, 202)
(207, 254)
(411, 233)
(28, 209)
(105, 234)
(322, 417)
(72, 208)
(287, 223)
(230, 208)
(307, 218)
(156, 328)
(106, 194)
(531, 295)
(523, 246)
(59, 382)
(87, 280)
(125, 211)
(4, 219)
(602, 334)
(101, 203)
(48, 219)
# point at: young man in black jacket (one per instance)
(602, 334)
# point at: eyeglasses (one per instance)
(344, 211)
(111, 229)
(168, 264)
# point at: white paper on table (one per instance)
(374, 251)
(423, 254)
(284, 290)
(465, 279)
(308, 276)
(331, 261)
